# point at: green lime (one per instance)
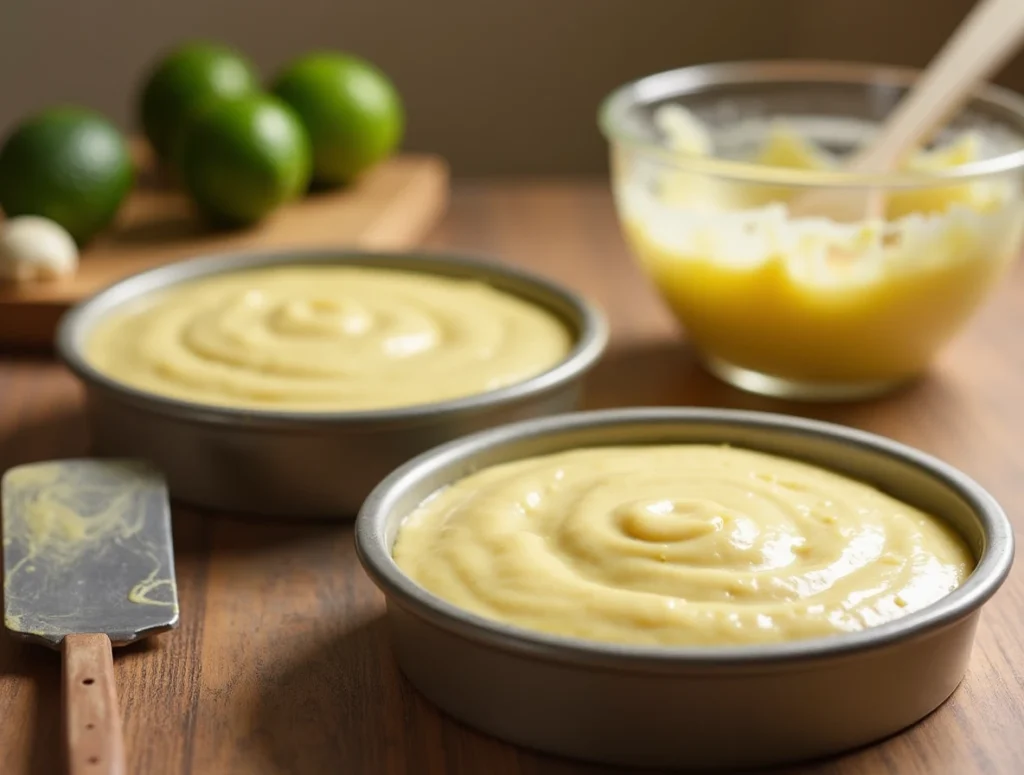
(350, 109)
(242, 158)
(184, 83)
(67, 164)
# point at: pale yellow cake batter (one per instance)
(327, 338)
(678, 545)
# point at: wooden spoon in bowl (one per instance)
(982, 42)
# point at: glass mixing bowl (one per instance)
(792, 276)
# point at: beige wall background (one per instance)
(497, 86)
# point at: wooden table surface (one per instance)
(281, 663)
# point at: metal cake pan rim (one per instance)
(991, 570)
(591, 334)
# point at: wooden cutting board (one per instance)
(392, 207)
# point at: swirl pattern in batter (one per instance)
(678, 545)
(327, 338)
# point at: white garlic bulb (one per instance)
(34, 248)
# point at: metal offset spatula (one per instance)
(88, 563)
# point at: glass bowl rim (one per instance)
(692, 79)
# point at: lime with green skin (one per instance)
(244, 157)
(68, 164)
(184, 83)
(351, 110)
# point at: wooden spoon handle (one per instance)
(92, 721)
(982, 42)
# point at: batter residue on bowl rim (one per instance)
(326, 338)
(678, 545)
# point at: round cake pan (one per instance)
(698, 708)
(310, 465)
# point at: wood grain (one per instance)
(92, 721)
(393, 206)
(282, 665)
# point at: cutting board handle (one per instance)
(92, 721)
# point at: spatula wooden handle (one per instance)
(986, 38)
(92, 720)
